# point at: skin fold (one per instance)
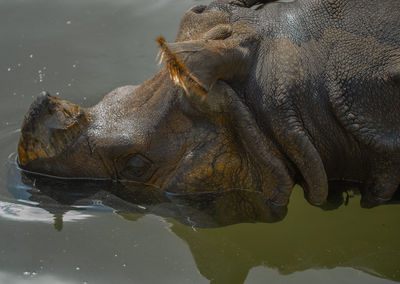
(256, 95)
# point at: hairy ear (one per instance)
(178, 71)
(224, 53)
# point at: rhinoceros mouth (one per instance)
(49, 127)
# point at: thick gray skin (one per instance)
(300, 92)
(325, 86)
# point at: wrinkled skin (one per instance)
(300, 92)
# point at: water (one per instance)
(80, 50)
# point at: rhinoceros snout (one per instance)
(49, 126)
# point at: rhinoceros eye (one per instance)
(136, 168)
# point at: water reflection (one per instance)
(326, 276)
(19, 212)
(59, 196)
(309, 244)
(307, 238)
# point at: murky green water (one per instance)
(80, 50)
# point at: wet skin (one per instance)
(256, 99)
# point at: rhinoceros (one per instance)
(254, 95)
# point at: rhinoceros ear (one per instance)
(223, 53)
(178, 70)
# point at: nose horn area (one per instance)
(49, 126)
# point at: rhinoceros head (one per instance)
(183, 130)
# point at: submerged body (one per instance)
(261, 98)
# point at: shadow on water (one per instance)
(307, 239)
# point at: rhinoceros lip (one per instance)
(56, 177)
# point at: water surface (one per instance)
(81, 49)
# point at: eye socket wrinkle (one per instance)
(136, 167)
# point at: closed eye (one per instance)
(136, 167)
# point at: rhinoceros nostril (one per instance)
(49, 126)
(39, 104)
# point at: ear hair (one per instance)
(178, 71)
